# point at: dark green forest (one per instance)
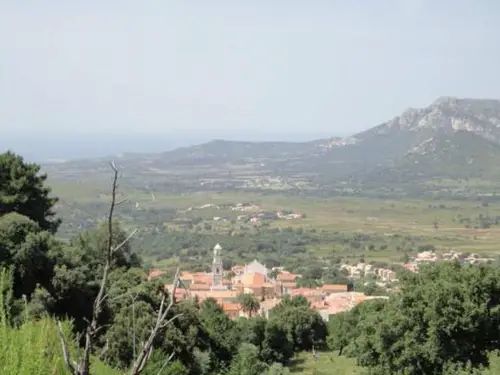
(85, 306)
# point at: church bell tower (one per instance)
(217, 268)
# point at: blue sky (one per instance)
(238, 67)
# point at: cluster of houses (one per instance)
(451, 255)
(250, 212)
(271, 286)
(257, 218)
(364, 269)
(254, 278)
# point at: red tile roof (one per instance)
(223, 294)
(334, 288)
(340, 302)
(199, 286)
(319, 305)
(155, 273)
(202, 278)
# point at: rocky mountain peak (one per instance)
(446, 101)
(450, 114)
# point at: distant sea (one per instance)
(44, 148)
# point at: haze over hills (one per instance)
(451, 138)
(43, 147)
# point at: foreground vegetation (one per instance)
(443, 320)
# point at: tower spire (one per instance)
(217, 268)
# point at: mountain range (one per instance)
(451, 138)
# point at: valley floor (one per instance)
(400, 224)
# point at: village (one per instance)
(225, 286)
(270, 286)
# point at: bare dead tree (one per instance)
(134, 331)
(82, 367)
(163, 319)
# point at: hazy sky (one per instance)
(229, 67)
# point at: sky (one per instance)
(237, 69)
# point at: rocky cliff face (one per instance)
(451, 137)
(481, 117)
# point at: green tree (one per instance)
(220, 331)
(344, 328)
(247, 361)
(304, 326)
(314, 272)
(307, 283)
(176, 368)
(132, 308)
(78, 273)
(203, 361)
(22, 190)
(251, 331)
(335, 276)
(278, 369)
(91, 246)
(193, 344)
(372, 289)
(444, 315)
(29, 252)
(287, 302)
(249, 304)
(274, 274)
(277, 346)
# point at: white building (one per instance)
(256, 267)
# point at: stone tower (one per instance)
(217, 268)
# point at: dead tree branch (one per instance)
(83, 367)
(134, 331)
(162, 321)
(163, 318)
(166, 363)
(72, 365)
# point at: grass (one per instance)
(331, 364)
(327, 363)
(33, 348)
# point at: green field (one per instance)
(444, 224)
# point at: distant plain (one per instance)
(446, 224)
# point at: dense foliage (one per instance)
(32, 347)
(22, 190)
(446, 316)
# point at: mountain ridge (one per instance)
(420, 143)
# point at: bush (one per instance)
(34, 348)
